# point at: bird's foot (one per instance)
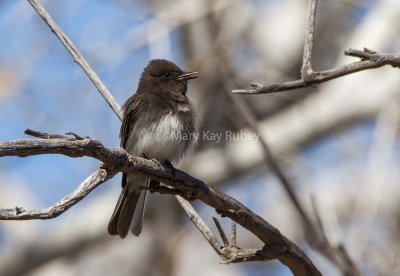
(171, 167)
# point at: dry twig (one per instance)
(77, 56)
(369, 60)
(221, 232)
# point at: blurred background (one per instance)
(338, 142)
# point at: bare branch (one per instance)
(202, 226)
(306, 69)
(43, 135)
(94, 180)
(233, 234)
(276, 245)
(221, 232)
(309, 78)
(369, 62)
(77, 57)
(337, 254)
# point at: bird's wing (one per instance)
(131, 115)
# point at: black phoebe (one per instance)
(158, 123)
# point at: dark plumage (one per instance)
(156, 118)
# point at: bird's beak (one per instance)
(188, 76)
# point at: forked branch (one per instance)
(116, 160)
(369, 60)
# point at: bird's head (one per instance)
(161, 75)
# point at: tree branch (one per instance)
(95, 179)
(116, 160)
(306, 69)
(77, 57)
(221, 232)
(99, 85)
(369, 60)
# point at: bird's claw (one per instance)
(171, 167)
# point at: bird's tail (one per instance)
(128, 212)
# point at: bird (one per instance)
(159, 122)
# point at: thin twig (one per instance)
(94, 180)
(77, 57)
(221, 232)
(306, 69)
(319, 223)
(43, 135)
(368, 62)
(337, 254)
(309, 78)
(202, 226)
(233, 241)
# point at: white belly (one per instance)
(160, 141)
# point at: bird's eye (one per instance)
(165, 74)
